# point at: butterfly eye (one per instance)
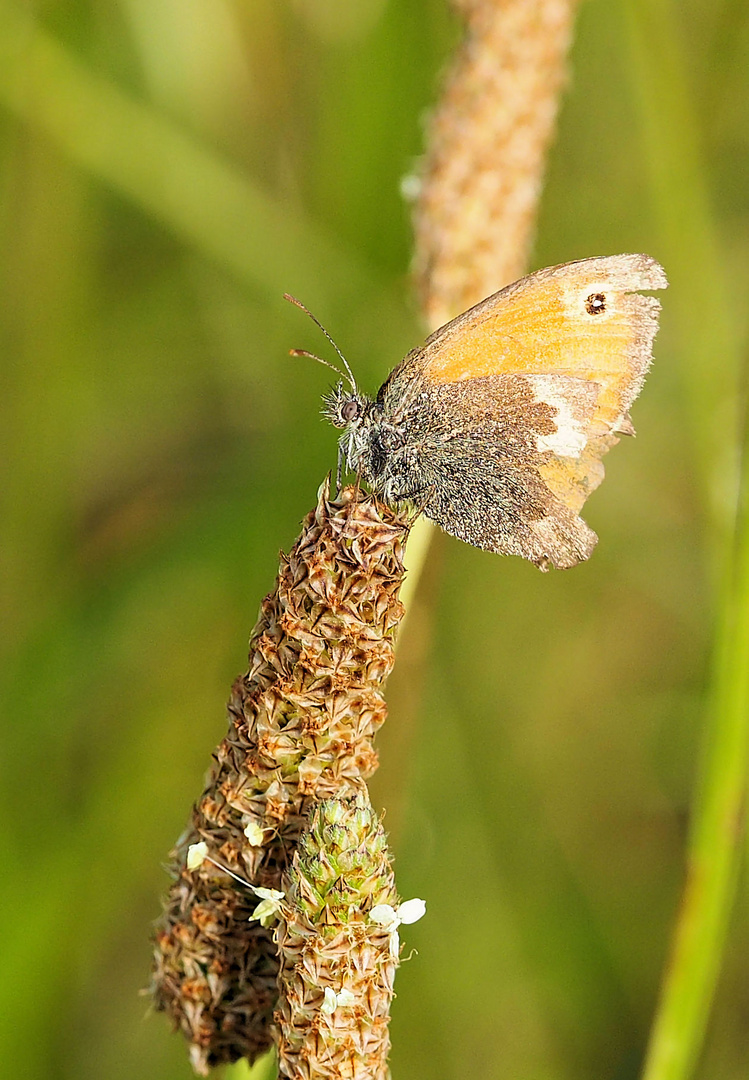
(350, 410)
(595, 304)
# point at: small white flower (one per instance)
(384, 915)
(333, 1001)
(410, 187)
(410, 911)
(254, 834)
(269, 907)
(390, 918)
(196, 854)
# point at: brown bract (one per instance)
(302, 720)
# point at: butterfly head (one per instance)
(344, 406)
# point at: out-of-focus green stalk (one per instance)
(716, 841)
(690, 254)
(417, 550)
(265, 1068)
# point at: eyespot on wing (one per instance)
(584, 319)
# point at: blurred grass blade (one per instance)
(689, 244)
(204, 200)
(716, 843)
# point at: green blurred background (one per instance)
(169, 168)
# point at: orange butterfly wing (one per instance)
(569, 327)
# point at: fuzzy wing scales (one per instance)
(482, 465)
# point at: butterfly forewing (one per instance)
(580, 337)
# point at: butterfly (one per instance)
(495, 428)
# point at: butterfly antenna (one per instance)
(302, 352)
(327, 363)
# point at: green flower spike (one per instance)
(337, 961)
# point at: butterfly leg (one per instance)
(339, 467)
(420, 500)
(418, 497)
